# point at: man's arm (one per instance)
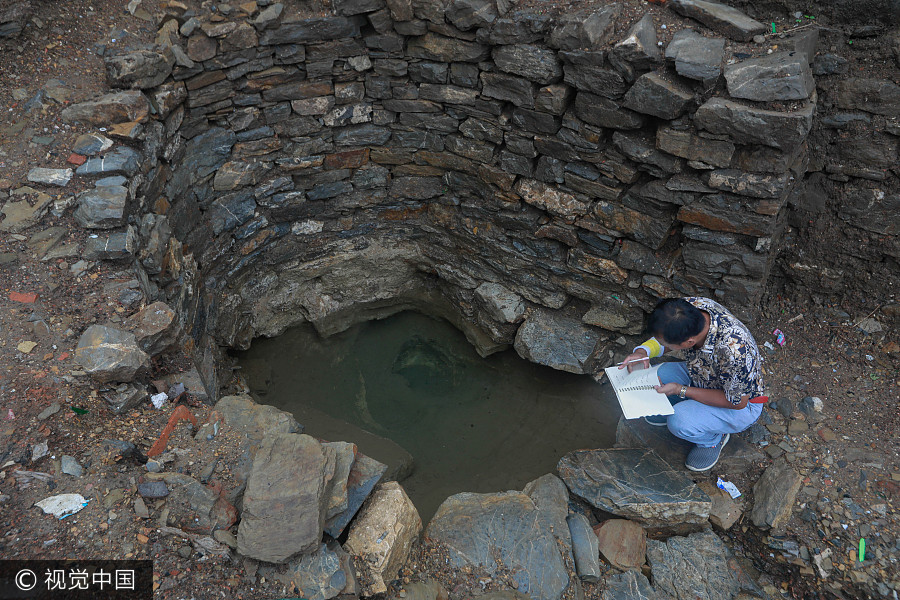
(640, 357)
(703, 396)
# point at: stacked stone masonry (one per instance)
(457, 158)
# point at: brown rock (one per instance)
(155, 328)
(623, 543)
(725, 511)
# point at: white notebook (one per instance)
(636, 394)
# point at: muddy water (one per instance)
(470, 423)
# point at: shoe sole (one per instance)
(663, 424)
(727, 437)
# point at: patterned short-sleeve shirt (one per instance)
(729, 359)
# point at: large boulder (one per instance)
(557, 340)
(155, 328)
(502, 531)
(636, 484)
(774, 495)
(108, 354)
(286, 498)
(382, 536)
(119, 107)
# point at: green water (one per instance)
(471, 424)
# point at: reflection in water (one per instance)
(472, 424)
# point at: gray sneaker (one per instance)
(703, 459)
(657, 420)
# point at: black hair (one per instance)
(675, 320)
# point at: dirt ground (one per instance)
(853, 453)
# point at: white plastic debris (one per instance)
(728, 487)
(769, 345)
(159, 399)
(63, 505)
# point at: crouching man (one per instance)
(718, 390)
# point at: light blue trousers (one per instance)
(699, 423)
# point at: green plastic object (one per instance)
(79, 411)
(862, 549)
(773, 27)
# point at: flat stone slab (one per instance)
(108, 354)
(557, 340)
(777, 76)
(502, 531)
(719, 17)
(102, 207)
(634, 483)
(123, 160)
(699, 566)
(57, 177)
(19, 216)
(749, 125)
(696, 56)
(654, 95)
(774, 495)
(118, 107)
(737, 456)
(364, 474)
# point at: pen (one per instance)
(633, 361)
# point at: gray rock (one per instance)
(70, 466)
(750, 125)
(502, 304)
(630, 585)
(830, 64)
(585, 547)
(469, 14)
(443, 49)
(285, 500)
(357, 7)
(230, 211)
(603, 112)
(155, 327)
(803, 42)
(318, 576)
(498, 532)
(641, 149)
(550, 198)
(362, 135)
(20, 215)
(639, 48)
(614, 314)
(90, 144)
(364, 474)
(774, 495)
(557, 340)
(267, 18)
(529, 61)
(636, 484)
(125, 397)
(102, 208)
(122, 160)
(57, 177)
(719, 17)
(877, 96)
(49, 411)
(305, 31)
(108, 354)
(140, 69)
(584, 29)
(119, 107)
(777, 76)
(696, 56)
(114, 246)
(686, 144)
(506, 87)
(653, 95)
(192, 382)
(595, 79)
(153, 489)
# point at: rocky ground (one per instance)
(51, 414)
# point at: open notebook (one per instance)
(636, 394)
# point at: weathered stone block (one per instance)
(506, 87)
(529, 61)
(754, 185)
(382, 536)
(114, 246)
(550, 199)
(604, 112)
(774, 495)
(553, 99)
(723, 213)
(686, 144)
(140, 69)
(102, 207)
(584, 28)
(557, 340)
(596, 79)
(109, 354)
(636, 484)
(653, 95)
(604, 268)
(443, 49)
(310, 30)
(696, 56)
(720, 17)
(880, 97)
(639, 48)
(749, 125)
(469, 14)
(777, 76)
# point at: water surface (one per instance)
(472, 424)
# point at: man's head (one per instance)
(676, 323)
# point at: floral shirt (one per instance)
(729, 359)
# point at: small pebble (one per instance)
(759, 39)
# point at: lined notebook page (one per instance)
(636, 394)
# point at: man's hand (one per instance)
(669, 389)
(640, 358)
